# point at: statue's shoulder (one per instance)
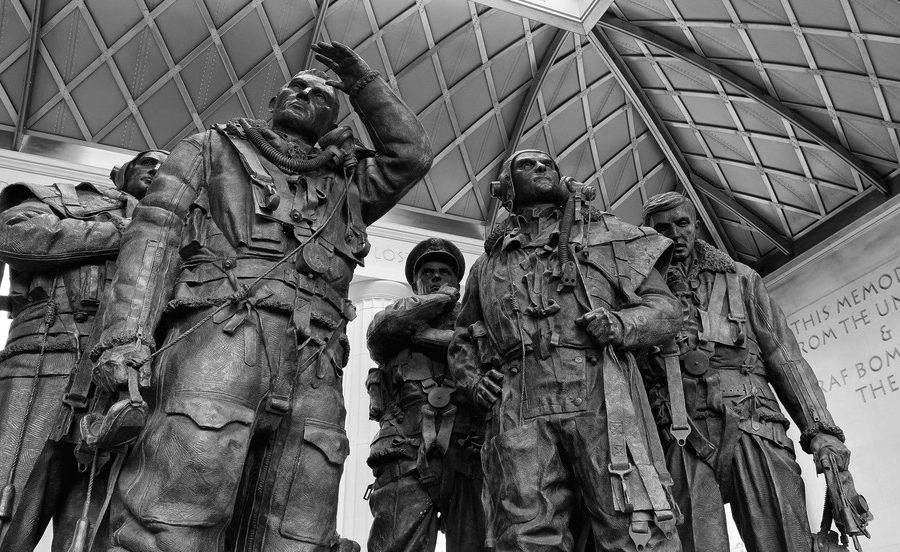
(641, 246)
(65, 198)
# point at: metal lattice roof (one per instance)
(779, 117)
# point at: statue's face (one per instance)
(680, 226)
(434, 274)
(141, 172)
(536, 180)
(305, 106)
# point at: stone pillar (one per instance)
(370, 297)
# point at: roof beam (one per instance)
(317, 32)
(733, 79)
(525, 109)
(728, 201)
(654, 123)
(25, 106)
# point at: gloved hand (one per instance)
(487, 389)
(603, 326)
(345, 63)
(823, 444)
(345, 545)
(450, 291)
(111, 369)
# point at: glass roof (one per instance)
(779, 117)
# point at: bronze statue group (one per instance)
(172, 376)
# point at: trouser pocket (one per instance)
(188, 465)
(310, 511)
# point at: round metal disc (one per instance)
(695, 363)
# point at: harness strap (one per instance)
(615, 390)
(677, 410)
(712, 329)
(730, 435)
(736, 312)
(70, 199)
(114, 472)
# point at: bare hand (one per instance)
(344, 62)
(824, 444)
(603, 326)
(488, 389)
(111, 369)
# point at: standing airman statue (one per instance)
(738, 359)
(426, 455)
(60, 243)
(552, 313)
(235, 272)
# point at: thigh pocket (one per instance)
(512, 472)
(191, 459)
(311, 509)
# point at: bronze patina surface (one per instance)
(739, 359)
(60, 243)
(544, 344)
(252, 230)
(426, 455)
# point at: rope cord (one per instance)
(9, 490)
(245, 289)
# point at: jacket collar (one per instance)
(711, 259)
(506, 226)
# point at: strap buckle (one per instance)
(278, 405)
(622, 471)
(368, 491)
(639, 531)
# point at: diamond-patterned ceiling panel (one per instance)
(780, 112)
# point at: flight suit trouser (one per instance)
(406, 518)
(47, 481)
(178, 488)
(766, 495)
(531, 474)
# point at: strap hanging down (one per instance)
(680, 428)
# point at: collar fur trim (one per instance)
(711, 259)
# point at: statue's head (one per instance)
(433, 263)
(306, 106)
(675, 217)
(135, 176)
(530, 177)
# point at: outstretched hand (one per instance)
(343, 61)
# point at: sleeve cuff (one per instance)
(807, 435)
(106, 344)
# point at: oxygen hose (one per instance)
(281, 159)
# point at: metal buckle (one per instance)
(277, 405)
(639, 537)
(621, 471)
(680, 434)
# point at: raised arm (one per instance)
(403, 150)
(394, 328)
(35, 239)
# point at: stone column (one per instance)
(370, 297)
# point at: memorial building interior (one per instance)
(780, 119)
